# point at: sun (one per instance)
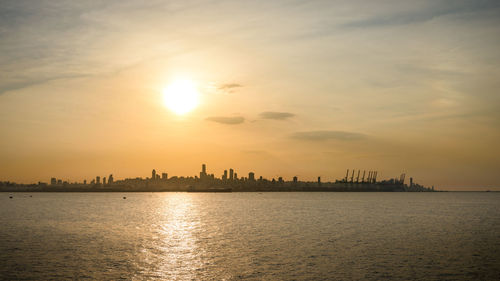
(181, 96)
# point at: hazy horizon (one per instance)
(281, 88)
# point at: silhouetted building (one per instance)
(164, 176)
(235, 176)
(59, 182)
(231, 174)
(53, 181)
(251, 176)
(295, 179)
(224, 177)
(319, 181)
(153, 174)
(84, 182)
(110, 179)
(98, 180)
(104, 180)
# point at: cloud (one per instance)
(276, 115)
(328, 135)
(425, 11)
(226, 120)
(229, 87)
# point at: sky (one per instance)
(286, 88)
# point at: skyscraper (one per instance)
(251, 176)
(153, 174)
(231, 174)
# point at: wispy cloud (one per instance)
(229, 87)
(226, 120)
(424, 11)
(328, 135)
(276, 115)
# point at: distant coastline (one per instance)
(228, 182)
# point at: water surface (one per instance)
(250, 236)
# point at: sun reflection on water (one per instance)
(174, 252)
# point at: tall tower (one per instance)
(153, 174)
(251, 176)
(231, 174)
(224, 177)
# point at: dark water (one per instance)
(252, 236)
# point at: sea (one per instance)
(250, 236)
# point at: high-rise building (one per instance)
(251, 176)
(59, 182)
(53, 181)
(164, 176)
(319, 181)
(98, 180)
(295, 179)
(153, 174)
(231, 174)
(84, 182)
(110, 179)
(204, 169)
(104, 181)
(224, 177)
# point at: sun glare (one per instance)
(181, 96)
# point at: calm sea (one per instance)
(250, 236)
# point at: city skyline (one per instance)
(228, 174)
(228, 181)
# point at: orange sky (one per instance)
(286, 89)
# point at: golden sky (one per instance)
(286, 88)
